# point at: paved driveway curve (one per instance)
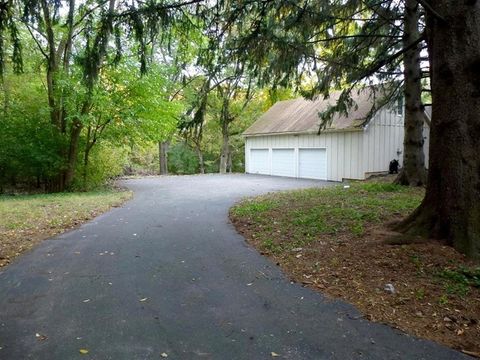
(167, 273)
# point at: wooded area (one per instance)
(95, 89)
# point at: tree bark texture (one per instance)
(72, 153)
(451, 207)
(413, 172)
(163, 156)
(225, 150)
(201, 162)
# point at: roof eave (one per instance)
(355, 129)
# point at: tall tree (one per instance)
(413, 171)
(338, 44)
(82, 34)
(193, 121)
(131, 107)
(451, 207)
(234, 98)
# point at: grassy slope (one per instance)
(27, 219)
(333, 240)
(301, 216)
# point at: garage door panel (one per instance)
(259, 163)
(283, 162)
(312, 163)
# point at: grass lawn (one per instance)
(25, 220)
(335, 240)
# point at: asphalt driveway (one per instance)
(167, 274)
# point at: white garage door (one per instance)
(283, 162)
(312, 163)
(259, 161)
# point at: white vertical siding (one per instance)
(344, 151)
(350, 154)
(383, 138)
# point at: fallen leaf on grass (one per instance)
(83, 351)
(164, 355)
(274, 354)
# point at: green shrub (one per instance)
(106, 161)
(459, 280)
(30, 146)
(182, 160)
(143, 159)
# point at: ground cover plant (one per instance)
(337, 240)
(25, 220)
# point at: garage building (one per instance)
(284, 141)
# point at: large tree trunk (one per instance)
(86, 157)
(6, 94)
(451, 207)
(72, 153)
(163, 157)
(230, 161)
(225, 150)
(413, 172)
(201, 162)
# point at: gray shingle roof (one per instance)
(300, 116)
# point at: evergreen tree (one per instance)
(348, 45)
(451, 207)
(362, 41)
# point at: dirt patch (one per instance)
(26, 220)
(426, 289)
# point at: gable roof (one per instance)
(300, 116)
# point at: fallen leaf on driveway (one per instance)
(83, 351)
(86, 300)
(144, 299)
(41, 337)
(472, 353)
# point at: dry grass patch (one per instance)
(25, 220)
(333, 240)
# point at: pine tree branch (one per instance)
(88, 12)
(36, 41)
(158, 7)
(431, 10)
(391, 58)
(358, 36)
